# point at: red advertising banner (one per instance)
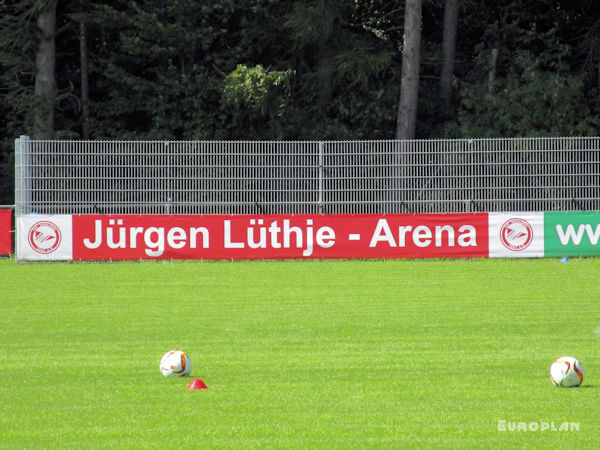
(130, 237)
(5, 231)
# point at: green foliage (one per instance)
(17, 57)
(255, 98)
(311, 24)
(273, 69)
(17, 100)
(146, 82)
(531, 103)
(342, 65)
(535, 92)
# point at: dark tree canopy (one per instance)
(308, 69)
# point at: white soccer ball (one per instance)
(175, 363)
(566, 371)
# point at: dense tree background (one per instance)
(309, 69)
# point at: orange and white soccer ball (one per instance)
(175, 363)
(566, 371)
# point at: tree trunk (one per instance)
(397, 194)
(448, 52)
(409, 85)
(85, 94)
(45, 82)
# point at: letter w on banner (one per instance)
(5, 231)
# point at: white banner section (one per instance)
(516, 235)
(44, 238)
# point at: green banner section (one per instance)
(572, 233)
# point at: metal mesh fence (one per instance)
(332, 177)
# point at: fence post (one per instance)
(22, 170)
(17, 176)
(22, 177)
(321, 169)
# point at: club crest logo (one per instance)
(44, 237)
(516, 234)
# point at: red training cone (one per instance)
(196, 383)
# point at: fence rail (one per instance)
(293, 177)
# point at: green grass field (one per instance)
(307, 354)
